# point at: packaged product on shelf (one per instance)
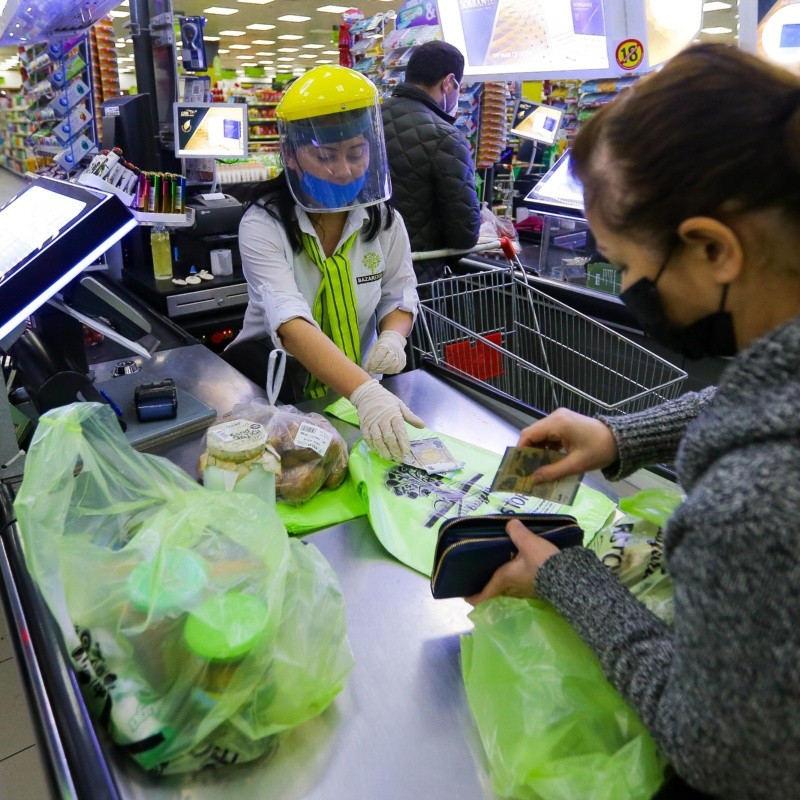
(69, 97)
(74, 124)
(70, 158)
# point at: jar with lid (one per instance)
(160, 594)
(220, 634)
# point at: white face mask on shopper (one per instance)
(451, 97)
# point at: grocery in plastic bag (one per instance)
(197, 630)
(552, 726)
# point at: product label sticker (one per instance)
(313, 437)
(238, 430)
(630, 54)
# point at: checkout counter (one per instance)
(211, 311)
(400, 729)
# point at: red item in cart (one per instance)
(476, 358)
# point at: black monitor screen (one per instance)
(50, 232)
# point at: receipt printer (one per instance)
(215, 213)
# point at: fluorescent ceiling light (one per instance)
(324, 61)
(294, 18)
(265, 53)
(266, 61)
(716, 31)
(211, 38)
(243, 58)
(306, 55)
(256, 2)
(263, 41)
(119, 14)
(240, 46)
(220, 10)
(715, 6)
(333, 9)
(330, 52)
(250, 65)
(314, 46)
(290, 36)
(231, 33)
(285, 58)
(288, 49)
(125, 4)
(259, 26)
(223, 52)
(120, 44)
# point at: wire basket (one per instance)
(493, 329)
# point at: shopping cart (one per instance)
(493, 330)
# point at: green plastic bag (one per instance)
(326, 508)
(552, 726)
(632, 547)
(197, 630)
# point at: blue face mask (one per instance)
(331, 195)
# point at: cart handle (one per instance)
(492, 244)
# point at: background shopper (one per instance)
(692, 188)
(327, 262)
(433, 176)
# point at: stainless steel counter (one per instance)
(401, 728)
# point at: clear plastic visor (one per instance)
(336, 161)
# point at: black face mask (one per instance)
(712, 335)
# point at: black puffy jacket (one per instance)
(433, 177)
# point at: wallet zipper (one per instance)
(453, 546)
(506, 517)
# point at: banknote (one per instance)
(519, 464)
(432, 456)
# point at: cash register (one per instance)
(53, 231)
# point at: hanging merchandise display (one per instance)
(493, 137)
(366, 47)
(105, 69)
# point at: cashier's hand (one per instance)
(381, 415)
(388, 356)
(588, 443)
(518, 577)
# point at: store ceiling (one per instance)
(267, 48)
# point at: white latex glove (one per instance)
(381, 415)
(388, 356)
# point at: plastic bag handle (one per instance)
(276, 367)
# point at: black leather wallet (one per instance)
(470, 549)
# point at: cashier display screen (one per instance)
(210, 130)
(558, 187)
(537, 122)
(36, 217)
(50, 232)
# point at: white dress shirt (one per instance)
(282, 284)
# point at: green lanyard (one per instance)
(335, 309)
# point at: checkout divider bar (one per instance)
(76, 767)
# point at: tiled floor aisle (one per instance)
(21, 776)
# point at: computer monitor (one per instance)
(52, 230)
(537, 122)
(558, 192)
(210, 130)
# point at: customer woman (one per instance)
(692, 189)
(325, 258)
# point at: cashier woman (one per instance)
(325, 258)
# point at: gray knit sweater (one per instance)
(720, 692)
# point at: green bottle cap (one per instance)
(173, 581)
(225, 627)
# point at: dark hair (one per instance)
(276, 199)
(716, 131)
(432, 61)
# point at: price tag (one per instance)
(313, 437)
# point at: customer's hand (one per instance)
(388, 355)
(517, 578)
(588, 442)
(381, 416)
